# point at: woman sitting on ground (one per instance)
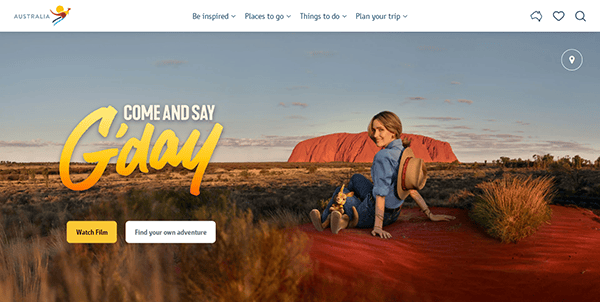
(378, 204)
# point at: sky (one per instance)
(487, 94)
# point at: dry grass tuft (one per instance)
(22, 263)
(248, 261)
(513, 208)
(116, 272)
(461, 199)
(284, 218)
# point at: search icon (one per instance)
(580, 15)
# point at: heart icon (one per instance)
(558, 15)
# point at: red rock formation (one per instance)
(358, 147)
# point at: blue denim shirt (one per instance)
(384, 173)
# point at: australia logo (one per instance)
(61, 13)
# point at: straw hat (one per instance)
(412, 173)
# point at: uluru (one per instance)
(358, 147)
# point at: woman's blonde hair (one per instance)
(390, 121)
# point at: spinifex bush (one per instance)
(248, 262)
(513, 208)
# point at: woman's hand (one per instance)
(383, 234)
(434, 217)
(419, 200)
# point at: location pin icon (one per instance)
(572, 59)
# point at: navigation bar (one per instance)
(305, 16)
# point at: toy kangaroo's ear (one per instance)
(342, 189)
(350, 194)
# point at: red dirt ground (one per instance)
(458, 261)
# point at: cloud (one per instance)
(426, 126)
(416, 98)
(522, 123)
(106, 144)
(509, 137)
(170, 63)
(491, 120)
(303, 105)
(465, 101)
(441, 118)
(447, 101)
(264, 141)
(27, 144)
(460, 127)
(296, 88)
(506, 144)
(455, 83)
(489, 130)
(296, 117)
(563, 146)
(483, 142)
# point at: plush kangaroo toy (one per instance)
(340, 201)
(336, 218)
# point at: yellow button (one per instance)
(91, 231)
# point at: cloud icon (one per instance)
(536, 16)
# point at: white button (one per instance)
(170, 231)
(571, 59)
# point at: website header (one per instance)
(305, 16)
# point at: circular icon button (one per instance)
(571, 59)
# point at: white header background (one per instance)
(425, 16)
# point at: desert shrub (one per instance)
(115, 272)
(312, 169)
(542, 161)
(513, 208)
(442, 166)
(31, 174)
(245, 174)
(166, 175)
(106, 172)
(479, 174)
(577, 162)
(248, 262)
(46, 177)
(461, 199)
(284, 218)
(13, 177)
(22, 264)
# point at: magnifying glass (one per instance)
(580, 15)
